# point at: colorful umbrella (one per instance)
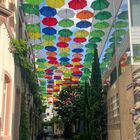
(83, 24)
(64, 50)
(103, 15)
(37, 47)
(115, 39)
(76, 59)
(76, 45)
(64, 54)
(119, 33)
(34, 41)
(121, 24)
(64, 39)
(90, 50)
(52, 58)
(30, 9)
(32, 28)
(97, 33)
(95, 40)
(65, 32)
(32, 18)
(53, 54)
(41, 60)
(49, 31)
(77, 55)
(90, 45)
(48, 43)
(80, 39)
(123, 15)
(101, 25)
(81, 33)
(34, 2)
(77, 4)
(51, 49)
(85, 14)
(64, 59)
(78, 50)
(68, 65)
(99, 4)
(79, 66)
(62, 45)
(34, 35)
(49, 21)
(66, 23)
(49, 37)
(55, 3)
(66, 13)
(48, 11)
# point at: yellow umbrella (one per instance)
(55, 3)
(63, 69)
(48, 43)
(75, 77)
(40, 69)
(48, 64)
(64, 50)
(58, 82)
(81, 33)
(75, 63)
(34, 35)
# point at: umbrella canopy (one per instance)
(38, 47)
(65, 32)
(90, 45)
(81, 33)
(49, 21)
(95, 40)
(55, 3)
(85, 14)
(48, 11)
(48, 43)
(34, 41)
(30, 9)
(32, 18)
(64, 39)
(62, 44)
(76, 59)
(103, 15)
(77, 55)
(97, 33)
(119, 33)
(77, 4)
(80, 39)
(66, 13)
(32, 28)
(123, 15)
(49, 37)
(64, 54)
(34, 2)
(121, 24)
(100, 4)
(34, 35)
(78, 50)
(64, 50)
(51, 49)
(83, 24)
(49, 31)
(76, 45)
(66, 23)
(53, 54)
(64, 59)
(115, 39)
(101, 25)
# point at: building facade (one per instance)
(120, 65)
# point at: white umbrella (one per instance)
(32, 18)
(39, 54)
(66, 13)
(34, 41)
(76, 45)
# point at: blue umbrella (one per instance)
(77, 74)
(48, 11)
(49, 73)
(49, 31)
(83, 24)
(64, 59)
(51, 48)
(78, 50)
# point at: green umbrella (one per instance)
(34, 2)
(89, 55)
(32, 28)
(87, 64)
(83, 78)
(53, 68)
(40, 72)
(49, 37)
(99, 4)
(42, 65)
(51, 80)
(97, 33)
(65, 32)
(123, 15)
(95, 40)
(41, 60)
(40, 75)
(86, 70)
(90, 45)
(38, 47)
(43, 82)
(115, 39)
(30, 9)
(109, 50)
(103, 15)
(66, 23)
(90, 50)
(101, 25)
(64, 54)
(121, 24)
(64, 63)
(119, 33)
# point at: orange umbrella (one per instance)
(74, 69)
(58, 71)
(51, 54)
(57, 64)
(77, 55)
(85, 14)
(64, 39)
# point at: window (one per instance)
(136, 52)
(113, 76)
(135, 12)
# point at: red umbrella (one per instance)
(79, 66)
(49, 21)
(68, 65)
(57, 77)
(77, 72)
(52, 58)
(52, 62)
(48, 70)
(67, 78)
(80, 39)
(77, 4)
(62, 44)
(48, 76)
(50, 86)
(76, 59)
